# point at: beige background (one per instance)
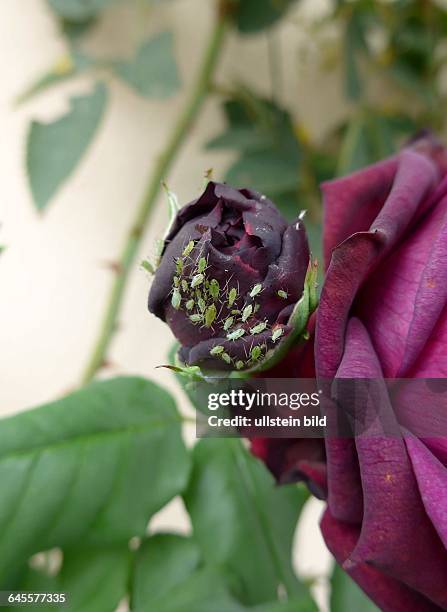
(54, 276)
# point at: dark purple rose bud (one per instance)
(231, 273)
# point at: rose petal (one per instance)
(354, 259)
(353, 202)
(287, 272)
(405, 296)
(394, 522)
(431, 476)
(389, 594)
(432, 362)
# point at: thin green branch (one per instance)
(178, 136)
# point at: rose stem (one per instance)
(177, 138)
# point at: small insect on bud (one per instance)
(146, 265)
(188, 248)
(257, 329)
(214, 289)
(232, 297)
(228, 323)
(176, 299)
(202, 265)
(255, 353)
(210, 315)
(256, 290)
(246, 313)
(217, 350)
(197, 280)
(230, 271)
(236, 334)
(277, 334)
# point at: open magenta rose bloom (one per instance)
(231, 272)
(383, 314)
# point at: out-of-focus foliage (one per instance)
(78, 10)
(54, 149)
(242, 521)
(255, 15)
(391, 55)
(60, 463)
(152, 72)
(268, 150)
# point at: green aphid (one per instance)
(176, 281)
(235, 312)
(256, 308)
(146, 265)
(217, 350)
(197, 280)
(255, 353)
(184, 286)
(189, 304)
(228, 323)
(176, 299)
(226, 357)
(202, 265)
(210, 315)
(214, 288)
(257, 329)
(188, 248)
(247, 312)
(232, 297)
(256, 290)
(236, 334)
(196, 318)
(277, 334)
(201, 304)
(179, 265)
(282, 294)
(239, 365)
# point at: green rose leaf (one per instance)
(78, 10)
(54, 149)
(169, 576)
(242, 521)
(163, 562)
(94, 579)
(93, 466)
(203, 591)
(153, 71)
(255, 15)
(346, 595)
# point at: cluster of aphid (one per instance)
(208, 304)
